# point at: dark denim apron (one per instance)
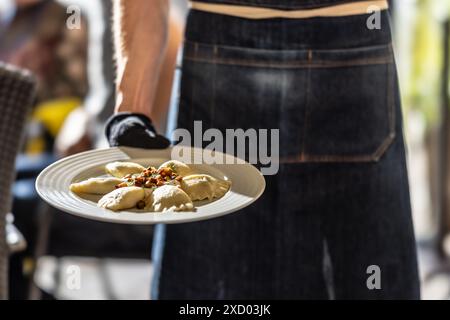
(340, 202)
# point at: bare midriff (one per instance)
(253, 12)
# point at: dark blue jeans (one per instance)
(283, 4)
(340, 202)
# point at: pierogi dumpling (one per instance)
(171, 198)
(203, 186)
(178, 167)
(96, 185)
(122, 198)
(120, 169)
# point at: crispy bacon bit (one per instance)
(140, 180)
(165, 172)
(122, 185)
(148, 184)
(151, 178)
(146, 173)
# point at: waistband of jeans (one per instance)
(283, 4)
(260, 12)
(290, 34)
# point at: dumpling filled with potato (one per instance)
(204, 186)
(121, 169)
(170, 198)
(100, 185)
(172, 187)
(123, 198)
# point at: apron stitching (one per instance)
(307, 93)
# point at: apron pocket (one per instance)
(330, 105)
(349, 114)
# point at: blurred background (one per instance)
(67, 46)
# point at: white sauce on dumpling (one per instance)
(122, 198)
(171, 198)
(120, 169)
(95, 185)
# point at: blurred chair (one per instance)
(14, 238)
(17, 90)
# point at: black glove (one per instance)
(133, 130)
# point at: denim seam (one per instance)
(306, 113)
(196, 45)
(191, 97)
(213, 95)
(299, 64)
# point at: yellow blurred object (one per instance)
(48, 117)
(53, 113)
(28, 265)
(35, 146)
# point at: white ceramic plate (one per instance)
(247, 185)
